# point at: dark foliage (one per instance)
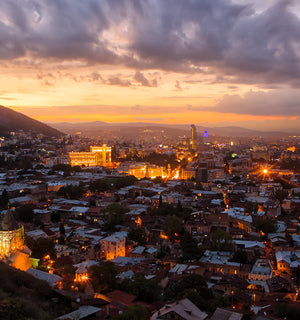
(24, 297)
(137, 235)
(172, 227)
(72, 192)
(24, 213)
(4, 200)
(266, 226)
(145, 290)
(103, 276)
(194, 287)
(136, 312)
(189, 247)
(286, 312)
(114, 214)
(125, 182)
(165, 209)
(41, 247)
(156, 158)
(100, 185)
(290, 164)
(221, 240)
(240, 256)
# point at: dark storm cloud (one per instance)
(177, 35)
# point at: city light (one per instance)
(112, 196)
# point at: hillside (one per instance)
(11, 120)
(133, 130)
(24, 297)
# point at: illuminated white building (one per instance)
(98, 156)
(114, 246)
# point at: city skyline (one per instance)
(176, 62)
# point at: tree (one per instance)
(62, 234)
(240, 256)
(114, 214)
(147, 290)
(251, 207)
(41, 247)
(266, 226)
(298, 277)
(189, 247)
(72, 192)
(194, 287)
(24, 213)
(103, 276)
(4, 200)
(193, 282)
(136, 312)
(163, 210)
(280, 195)
(125, 182)
(137, 235)
(160, 201)
(100, 185)
(179, 206)
(64, 267)
(62, 230)
(221, 240)
(172, 227)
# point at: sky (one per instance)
(216, 63)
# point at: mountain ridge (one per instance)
(93, 126)
(11, 120)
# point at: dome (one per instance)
(9, 223)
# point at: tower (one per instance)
(205, 137)
(11, 235)
(194, 137)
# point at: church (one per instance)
(12, 247)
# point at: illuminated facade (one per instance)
(11, 236)
(194, 137)
(98, 156)
(145, 170)
(113, 246)
(81, 274)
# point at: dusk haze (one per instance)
(216, 63)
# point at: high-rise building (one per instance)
(194, 137)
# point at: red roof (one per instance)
(94, 210)
(49, 232)
(121, 297)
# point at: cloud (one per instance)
(140, 78)
(98, 110)
(95, 76)
(272, 103)
(177, 85)
(185, 36)
(116, 81)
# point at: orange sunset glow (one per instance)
(178, 63)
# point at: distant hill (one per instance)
(11, 120)
(131, 130)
